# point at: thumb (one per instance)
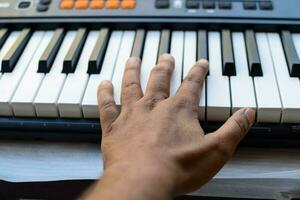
(233, 131)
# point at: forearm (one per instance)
(129, 185)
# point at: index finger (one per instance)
(192, 84)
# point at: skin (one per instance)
(154, 147)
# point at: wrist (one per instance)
(132, 181)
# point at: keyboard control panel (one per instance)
(222, 9)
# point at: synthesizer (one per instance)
(54, 54)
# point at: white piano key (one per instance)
(5, 109)
(267, 94)
(176, 50)
(149, 56)
(218, 93)
(9, 81)
(46, 98)
(124, 54)
(241, 85)
(190, 51)
(69, 102)
(89, 102)
(288, 86)
(22, 101)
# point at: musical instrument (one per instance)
(54, 54)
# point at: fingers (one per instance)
(107, 106)
(131, 86)
(192, 84)
(158, 86)
(233, 131)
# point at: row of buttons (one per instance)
(42, 5)
(223, 4)
(208, 4)
(97, 4)
(263, 5)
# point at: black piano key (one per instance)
(227, 54)
(74, 52)
(291, 54)
(202, 52)
(254, 63)
(164, 44)
(11, 57)
(50, 52)
(202, 49)
(138, 44)
(3, 36)
(97, 56)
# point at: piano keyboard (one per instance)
(55, 73)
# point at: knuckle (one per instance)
(194, 79)
(182, 102)
(132, 85)
(242, 124)
(162, 89)
(107, 107)
(152, 100)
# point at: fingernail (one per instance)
(134, 59)
(168, 57)
(203, 63)
(105, 82)
(250, 114)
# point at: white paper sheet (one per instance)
(48, 161)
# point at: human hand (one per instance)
(155, 140)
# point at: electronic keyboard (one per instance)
(54, 54)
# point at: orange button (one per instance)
(97, 4)
(82, 4)
(66, 4)
(112, 4)
(128, 4)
